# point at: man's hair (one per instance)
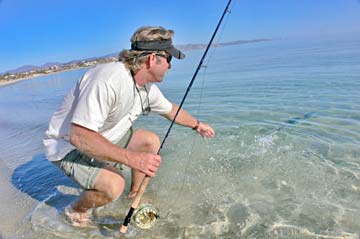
(133, 59)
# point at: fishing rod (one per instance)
(149, 214)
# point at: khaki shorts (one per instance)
(84, 169)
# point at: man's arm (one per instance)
(185, 119)
(97, 146)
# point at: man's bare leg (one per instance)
(141, 141)
(108, 186)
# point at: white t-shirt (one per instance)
(104, 100)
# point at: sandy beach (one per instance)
(9, 82)
(15, 206)
(4, 83)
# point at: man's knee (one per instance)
(115, 189)
(110, 183)
(147, 139)
(153, 139)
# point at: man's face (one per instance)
(159, 65)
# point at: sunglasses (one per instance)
(166, 56)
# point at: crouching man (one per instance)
(91, 133)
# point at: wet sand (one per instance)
(15, 206)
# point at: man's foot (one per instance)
(77, 219)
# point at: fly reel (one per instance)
(145, 216)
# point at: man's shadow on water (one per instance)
(40, 179)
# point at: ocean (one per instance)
(285, 161)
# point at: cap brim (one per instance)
(176, 53)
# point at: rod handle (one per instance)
(135, 204)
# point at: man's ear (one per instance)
(151, 60)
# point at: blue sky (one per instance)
(38, 31)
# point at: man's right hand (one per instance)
(145, 162)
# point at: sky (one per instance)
(37, 32)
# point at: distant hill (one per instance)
(185, 47)
(27, 68)
(22, 69)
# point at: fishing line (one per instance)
(204, 73)
(194, 76)
(146, 180)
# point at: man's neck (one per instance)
(141, 77)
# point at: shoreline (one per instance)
(4, 83)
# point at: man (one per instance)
(91, 132)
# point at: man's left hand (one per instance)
(205, 130)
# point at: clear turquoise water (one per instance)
(285, 162)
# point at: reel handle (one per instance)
(135, 204)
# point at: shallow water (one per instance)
(285, 162)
